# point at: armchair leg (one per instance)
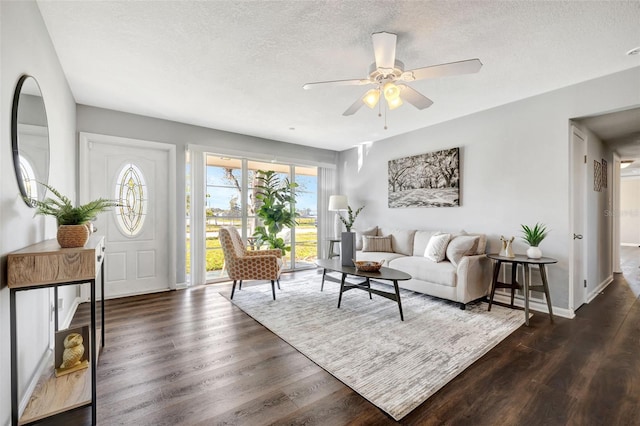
(240, 287)
(273, 289)
(233, 289)
(278, 281)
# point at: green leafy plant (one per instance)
(276, 200)
(348, 223)
(534, 235)
(65, 212)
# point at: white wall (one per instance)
(514, 168)
(630, 210)
(25, 48)
(114, 123)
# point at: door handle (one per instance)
(577, 236)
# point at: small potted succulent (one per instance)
(73, 221)
(534, 236)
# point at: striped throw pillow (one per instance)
(379, 244)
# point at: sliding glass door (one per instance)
(229, 199)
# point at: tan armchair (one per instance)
(243, 264)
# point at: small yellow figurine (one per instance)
(73, 350)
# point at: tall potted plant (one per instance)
(348, 239)
(72, 220)
(276, 209)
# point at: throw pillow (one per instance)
(380, 244)
(482, 241)
(461, 246)
(371, 232)
(437, 247)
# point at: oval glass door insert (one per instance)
(131, 193)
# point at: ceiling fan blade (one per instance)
(414, 97)
(443, 70)
(354, 82)
(384, 49)
(354, 108)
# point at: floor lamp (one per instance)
(338, 203)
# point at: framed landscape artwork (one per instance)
(425, 180)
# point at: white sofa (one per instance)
(460, 277)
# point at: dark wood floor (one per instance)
(190, 357)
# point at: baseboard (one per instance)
(535, 306)
(72, 311)
(594, 293)
(630, 244)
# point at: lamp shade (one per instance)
(338, 202)
(370, 98)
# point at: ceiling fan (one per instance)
(388, 76)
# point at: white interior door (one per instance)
(578, 203)
(140, 234)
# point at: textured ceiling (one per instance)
(240, 65)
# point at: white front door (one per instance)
(578, 209)
(140, 234)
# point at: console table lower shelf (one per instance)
(45, 265)
(54, 395)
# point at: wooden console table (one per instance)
(45, 265)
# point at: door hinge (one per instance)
(585, 159)
(585, 283)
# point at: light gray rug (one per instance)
(395, 365)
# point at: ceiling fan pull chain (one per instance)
(385, 116)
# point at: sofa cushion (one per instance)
(401, 239)
(437, 247)
(462, 245)
(376, 256)
(420, 241)
(371, 231)
(379, 244)
(421, 268)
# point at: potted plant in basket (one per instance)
(72, 220)
(534, 236)
(276, 200)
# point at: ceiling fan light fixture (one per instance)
(391, 91)
(371, 98)
(394, 103)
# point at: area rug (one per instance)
(395, 365)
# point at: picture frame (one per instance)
(597, 176)
(426, 180)
(77, 358)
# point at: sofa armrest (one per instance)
(474, 277)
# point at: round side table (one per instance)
(525, 261)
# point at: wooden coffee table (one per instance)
(384, 274)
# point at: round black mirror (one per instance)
(30, 140)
